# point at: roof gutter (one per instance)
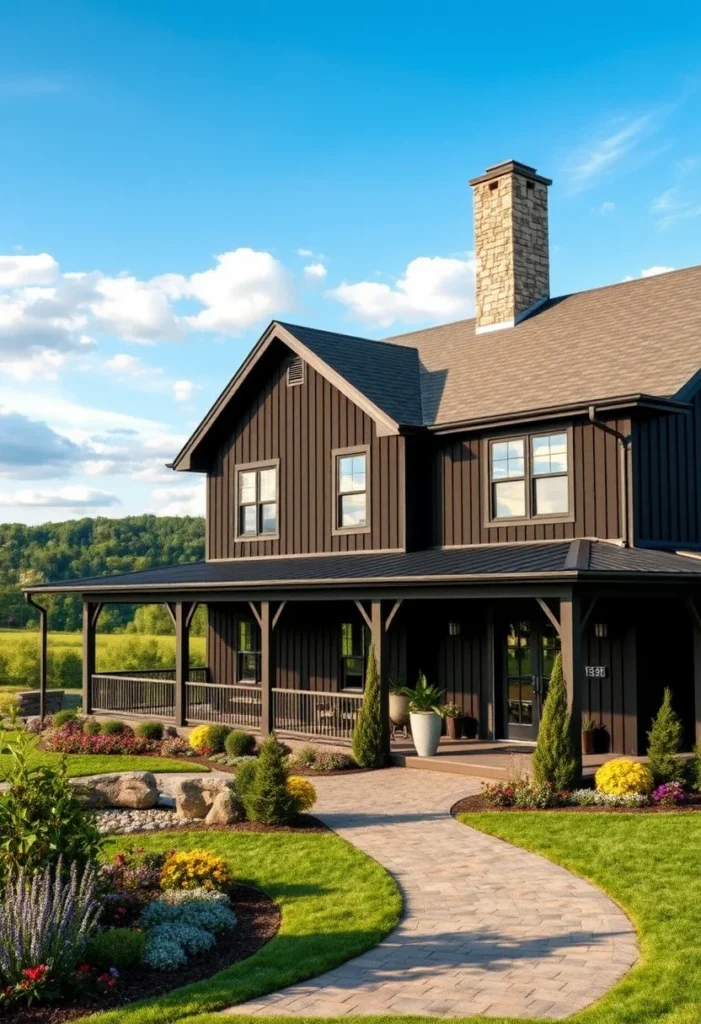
(624, 456)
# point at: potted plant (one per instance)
(398, 706)
(588, 730)
(454, 721)
(425, 715)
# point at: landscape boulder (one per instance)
(194, 797)
(225, 810)
(136, 791)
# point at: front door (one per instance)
(530, 652)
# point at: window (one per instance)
(248, 652)
(257, 501)
(352, 656)
(351, 490)
(529, 477)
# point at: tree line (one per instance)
(91, 547)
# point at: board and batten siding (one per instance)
(301, 426)
(460, 483)
(667, 477)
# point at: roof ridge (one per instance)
(337, 334)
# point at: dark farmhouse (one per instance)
(470, 498)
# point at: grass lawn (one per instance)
(97, 764)
(336, 903)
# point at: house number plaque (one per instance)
(596, 671)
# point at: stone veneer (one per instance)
(511, 243)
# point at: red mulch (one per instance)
(258, 921)
(477, 803)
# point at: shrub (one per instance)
(130, 880)
(195, 869)
(47, 919)
(622, 776)
(115, 727)
(240, 744)
(302, 792)
(199, 907)
(70, 740)
(520, 792)
(263, 787)
(368, 746)
(669, 794)
(306, 756)
(557, 757)
(245, 777)
(193, 940)
(92, 727)
(176, 746)
(9, 705)
(664, 744)
(594, 798)
(149, 730)
(166, 955)
(209, 739)
(41, 818)
(62, 718)
(122, 948)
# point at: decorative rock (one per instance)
(194, 797)
(125, 822)
(135, 790)
(225, 809)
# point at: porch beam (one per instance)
(379, 642)
(170, 608)
(191, 613)
(89, 627)
(257, 615)
(395, 608)
(545, 607)
(361, 608)
(278, 613)
(96, 613)
(267, 669)
(43, 638)
(182, 659)
(587, 615)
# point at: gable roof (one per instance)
(640, 337)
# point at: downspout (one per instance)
(43, 619)
(624, 449)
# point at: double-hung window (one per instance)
(529, 477)
(351, 490)
(257, 501)
(352, 656)
(247, 652)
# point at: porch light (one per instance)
(601, 630)
(453, 629)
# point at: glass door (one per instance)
(530, 654)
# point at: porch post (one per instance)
(89, 625)
(694, 608)
(182, 660)
(571, 641)
(379, 642)
(267, 669)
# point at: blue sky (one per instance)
(174, 175)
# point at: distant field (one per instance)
(19, 655)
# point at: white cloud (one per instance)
(432, 288)
(43, 365)
(128, 366)
(30, 448)
(77, 496)
(593, 159)
(180, 501)
(654, 271)
(604, 208)
(315, 271)
(136, 310)
(16, 271)
(183, 390)
(305, 252)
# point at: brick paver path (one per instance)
(487, 928)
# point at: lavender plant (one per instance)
(47, 919)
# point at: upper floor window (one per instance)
(351, 497)
(529, 477)
(248, 652)
(257, 501)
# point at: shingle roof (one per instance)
(638, 337)
(508, 561)
(386, 374)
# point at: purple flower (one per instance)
(114, 972)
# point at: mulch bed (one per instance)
(302, 823)
(258, 921)
(477, 803)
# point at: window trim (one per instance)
(245, 467)
(336, 454)
(357, 657)
(240, 681)
(531, 518)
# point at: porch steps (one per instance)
(452, 767)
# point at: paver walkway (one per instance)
(487, 928)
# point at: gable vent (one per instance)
(295, 373)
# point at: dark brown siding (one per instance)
(667, 477)
(613, 702)
(459, 486)
(301, 426)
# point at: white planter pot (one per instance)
(426, 732)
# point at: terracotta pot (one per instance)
(399, 710)
(454, 727)
(426, 732)
(588, 741)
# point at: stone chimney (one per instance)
(511, 244)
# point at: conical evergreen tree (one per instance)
(557, 757)
(664, 744)
(367, 735)
(265, 796)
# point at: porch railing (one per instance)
(133, 694)
(312, 713)
(225, 705)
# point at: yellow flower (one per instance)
(195, 869)
(622, 776)
(302, 791)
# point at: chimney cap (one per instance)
(510, 167)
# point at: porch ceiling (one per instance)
(566, 561)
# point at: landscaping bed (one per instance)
(258, 920)
(478, 803)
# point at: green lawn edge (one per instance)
(336, 903)
(101, 764)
